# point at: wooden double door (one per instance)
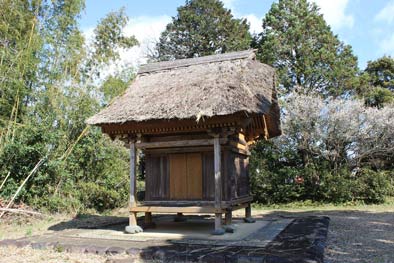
(186, 176)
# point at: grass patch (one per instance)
(310, 205)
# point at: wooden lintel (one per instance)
(236, 207)
(179, 150)
(241, 200)
(240, 151)
(184, 143)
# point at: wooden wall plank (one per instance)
(157, 177)
(178, 179)
(194, 176)
(208, 179)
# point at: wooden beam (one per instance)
(239, 206)
(239, 145)
(168, 209)
(184, 143)
(173, 126)
(179, 150)
(241, 200)
(184, 203)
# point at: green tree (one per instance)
(202, 27)
(298, 42)
(109, 37)
(115, 85)
(378, 96)
(382, 72)
(379, 87)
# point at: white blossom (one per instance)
(338, 130)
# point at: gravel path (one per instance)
(29, 255)
(355, 235)
(361, 237)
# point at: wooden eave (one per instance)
(254, 126)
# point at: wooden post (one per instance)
(133, 228)
(148, 221)
(218, 186)
(132, 173)
(228, 218)
(248, 214)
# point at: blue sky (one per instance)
(368, 26)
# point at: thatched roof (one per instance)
(208, 86)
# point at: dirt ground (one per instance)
(356, 236)
(361, 234)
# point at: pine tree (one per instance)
(298, 42)
(202, 27)
(379, 89)
(382, 72)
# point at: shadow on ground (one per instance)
(87, 221)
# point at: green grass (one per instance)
(310, 205)
(29, 231)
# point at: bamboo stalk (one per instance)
(19, 211)
(23, 184)
(5, 135)
(69, 150)
(5, 180)
(67, 153)
(15, 117)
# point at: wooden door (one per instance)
(185, 176)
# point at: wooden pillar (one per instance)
(218, 186)
(228, 218)
(133, 165)
(133, 228)
(148, 220)
(248, 214)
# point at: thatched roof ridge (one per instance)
(193, 88)
(152, 67)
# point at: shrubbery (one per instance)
(93, 176)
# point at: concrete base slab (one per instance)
(276, 241)
(197, 229)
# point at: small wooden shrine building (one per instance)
(195, 120)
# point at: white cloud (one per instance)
(334, 13)
(229, 4)
(387, 45)
(147, 30)
(386, 14)
(256, 23)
